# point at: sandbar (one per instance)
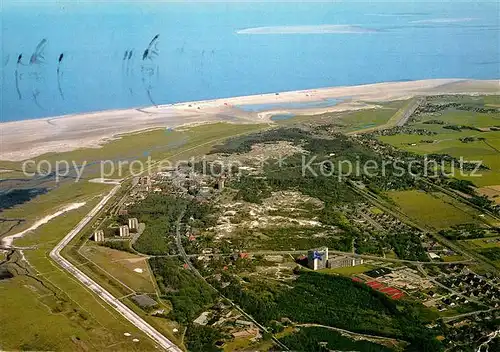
(25, 139)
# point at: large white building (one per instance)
(318, 259)
(124, 231)
(133, 224)
(99, 236)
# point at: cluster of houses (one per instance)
(468, 333)
(188, 182)
(474, 286)
(390, 223)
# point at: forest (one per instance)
(328, 300)
(188, 294)
(159, 213)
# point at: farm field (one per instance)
(433, 209)
(487, 247)
(452, 258)
(485, 145)
(482, 243)
(492, 192)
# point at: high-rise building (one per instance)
(145, 182)
(99, 236)
(124, 231)
(317, 258)
(133, 224)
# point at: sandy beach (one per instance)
(21, 140)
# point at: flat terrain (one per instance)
(76, 318)
(348, 271)
(433, 209)
(284, 220)
(30, 138)
(484, 144)
(129, 269)
(77, 298)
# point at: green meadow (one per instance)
(434, 209)
(447, 141)
(77, 319)
(361, 120)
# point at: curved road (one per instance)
(121, 308)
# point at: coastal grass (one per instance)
(79, 296)
(147, 148)
(52, 201)
(31, 321)
(434, 209)
(195, 141)
(490, 100)
(109, 325)
(363, 120)
(371, 120)
(82, 310)
(354, 120)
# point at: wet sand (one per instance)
(21, 140)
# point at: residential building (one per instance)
(133, 224)
(124, 231)
(343, 261)
(99, 236)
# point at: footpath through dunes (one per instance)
(29, 138)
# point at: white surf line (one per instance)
(120, 307)
(8, 240)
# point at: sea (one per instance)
(68, 57)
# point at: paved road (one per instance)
(330, 251)
(185, 257)
(409, 111)
(121, 308)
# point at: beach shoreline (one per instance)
(25, 139)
